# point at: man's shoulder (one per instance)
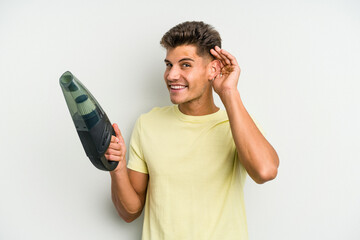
(157, 111)
(157, 114)
(160, 110)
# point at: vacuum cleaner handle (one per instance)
(108, 164)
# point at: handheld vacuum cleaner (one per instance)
(91, 123)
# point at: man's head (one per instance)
(189, 63)
(199, 34)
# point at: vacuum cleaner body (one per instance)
(91, 122)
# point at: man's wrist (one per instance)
(229, 95)
(119, 173)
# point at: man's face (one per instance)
(186, 75)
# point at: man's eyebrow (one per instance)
(186, 59)
(183, 59)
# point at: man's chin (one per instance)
(176, 101)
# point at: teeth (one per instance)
(176, 87)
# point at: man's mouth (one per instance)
(177, 87)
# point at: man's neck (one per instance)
(197, 109)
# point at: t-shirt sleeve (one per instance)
(136, 157)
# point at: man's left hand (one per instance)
(226, 81)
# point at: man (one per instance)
(188, 162)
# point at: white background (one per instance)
(300, 73)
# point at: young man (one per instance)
(188, 162)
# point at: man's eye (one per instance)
(186, 65)
(168, 65)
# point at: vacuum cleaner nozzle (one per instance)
(91, 122)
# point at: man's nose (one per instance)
(173, 74)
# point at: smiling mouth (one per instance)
(177, 87)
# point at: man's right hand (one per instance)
(117, 149)
(128, 187)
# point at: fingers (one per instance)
(117, 149)
(117, 130)
(116, 146)
(119, 137)
(216, 52)
(114, 139)
(111, 157)
(230, 58)
(218, 57)
(225, 57)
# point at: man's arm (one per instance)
(128, 187)
(128, 192)
(255, 153)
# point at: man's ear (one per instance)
(214, 68)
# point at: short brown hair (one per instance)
(200, 34)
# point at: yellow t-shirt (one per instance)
(196, 181)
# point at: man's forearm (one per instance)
(255, 152)
(124, 197)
